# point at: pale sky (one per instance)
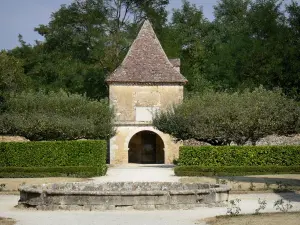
(21, 16)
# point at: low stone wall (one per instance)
(194, 142)
(280, 140)
(269, 140)
(120, 195)
(12, 139)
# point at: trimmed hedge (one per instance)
(234, 170)
(239, 156)
(56, 157)
(80, 171)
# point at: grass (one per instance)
(12, 184)
(260, 219)
(255, 183)
(7, 221)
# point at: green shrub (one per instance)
(234, 170)
(220, 118)
(240, 156)
(53, 154)
(26, 172)
(56, 116)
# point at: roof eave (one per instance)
(181, 83)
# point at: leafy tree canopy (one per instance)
(85, 41)
(12, 77)
(220, 118)
(56, 116)
(249, 43)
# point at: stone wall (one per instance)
(126, 98)
(280, 140)
(194, 142)
(269, 140)
(12, 139)
(122, 195)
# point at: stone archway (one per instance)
(146, 147)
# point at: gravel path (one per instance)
(139, 173)
(177, 217)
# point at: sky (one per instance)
(21, 16)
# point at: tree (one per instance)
(185, 39)
(248, 44)
(291, 82)
(85, 41)
(12, 77)
(222, 118)
(99, 31)
(56, 116)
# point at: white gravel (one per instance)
(139, 173)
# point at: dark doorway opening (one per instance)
(146, 147)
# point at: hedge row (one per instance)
(234, 170)
(240, 156)
(80, 171)
(61, 157)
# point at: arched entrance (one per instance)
(146, 147)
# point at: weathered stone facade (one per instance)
(127, 98)
(120, 195)
(146, 83)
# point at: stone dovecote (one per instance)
(146, 82)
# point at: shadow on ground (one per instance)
(291, 196)
(134, 166)
(286, 187)
(157, 166)
(289, 181)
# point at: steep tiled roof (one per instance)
(175, 62)
(146, 62)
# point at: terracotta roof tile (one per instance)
(146, 62)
